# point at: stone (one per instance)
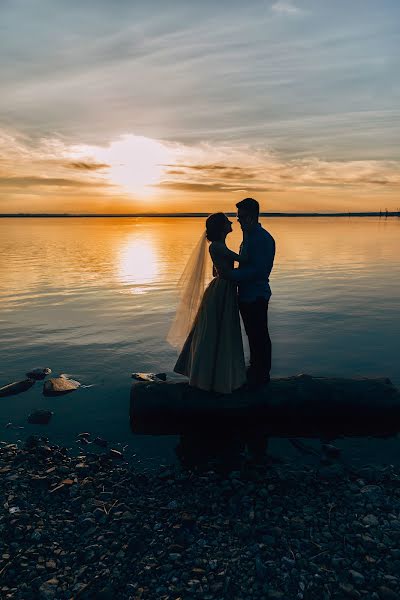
(370, 520)
(357, 577)
(386, 593)
(261, 570)
(59, 385)
(48, 589)
(332, 472)
(38, 373)
(349, 590)
(11, 389)
(106, 593)
(269, 540)
(99, 441)
(150, 377)
(40, 417)
(115, 454)
(331, 451)
(162, 376)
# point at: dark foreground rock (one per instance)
(90, 526)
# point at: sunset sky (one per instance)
(127, 106)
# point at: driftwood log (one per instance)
(299, 406)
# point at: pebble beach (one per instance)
(95, 526)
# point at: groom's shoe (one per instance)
(255, 381)
(255, 385)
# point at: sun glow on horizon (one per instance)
(135, 163)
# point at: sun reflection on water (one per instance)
(138, 265)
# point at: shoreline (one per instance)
(93, 526)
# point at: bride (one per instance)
(208, 323)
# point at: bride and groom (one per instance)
(207, 321)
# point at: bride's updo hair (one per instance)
(215, 227)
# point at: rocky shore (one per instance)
(92, 526)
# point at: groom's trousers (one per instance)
(255, 320)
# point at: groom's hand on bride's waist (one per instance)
(225, 274)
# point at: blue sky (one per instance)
(298, 81)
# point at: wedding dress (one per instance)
(212, 354)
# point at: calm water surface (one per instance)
(94, 298)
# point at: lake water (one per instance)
(94, 298)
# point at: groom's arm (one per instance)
(256, 266)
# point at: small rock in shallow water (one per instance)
(40, 417)
(34, 441)
(84, 441)
(115, 453)
(12, 426)
(162, 376)
(150, 377)
(331, 451)
(59, 385)
(99, 441)
(38, 373)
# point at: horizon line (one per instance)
(385, 213)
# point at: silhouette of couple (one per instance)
(207, 322)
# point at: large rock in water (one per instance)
(16, 387)
(59, 385)
(293, 406)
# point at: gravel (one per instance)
(94, 526)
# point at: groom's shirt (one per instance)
(253, 276)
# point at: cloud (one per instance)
(285, 8)
(226, 171)
(308, 86)
(130, 169)
(33, 181)
(242, 167)
(87, 166)
(210, 187)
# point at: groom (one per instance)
(254, 290)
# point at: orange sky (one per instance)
(138, 174)
(124, 107)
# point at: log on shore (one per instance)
(301, 406)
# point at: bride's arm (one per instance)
(221, 250)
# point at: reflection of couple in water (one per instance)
(207, 322)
